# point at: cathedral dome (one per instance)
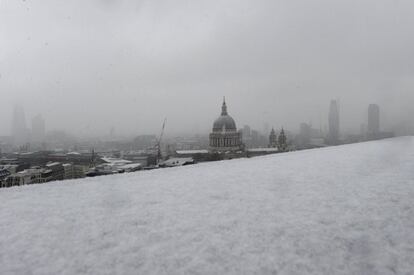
(224, 122)
(225, 137)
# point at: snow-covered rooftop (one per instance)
(73, 153)
(188, 152)
(338, 210)
(116, 161)
(262, 149)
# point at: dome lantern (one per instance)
(224, 108)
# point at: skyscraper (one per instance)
(334, 123)
(38, 129)
(373, 121)
(20, 132)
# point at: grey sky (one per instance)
(89, 65)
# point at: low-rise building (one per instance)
(18, 179)
(57, 171)
(79, 171)
(67, 171)
(144, 158)
(28, 176)
(4, 173)
(73, 171)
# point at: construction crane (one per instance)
(158, 145)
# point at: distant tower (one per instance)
(266, 128)
(247, 135)
(373, 121)
(247, 131)
(282, 141)
(305, 133)
(20, 132)
(273, 139)
(334, 123)
(38, 129)
(112, 132)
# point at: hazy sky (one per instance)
(89, 65)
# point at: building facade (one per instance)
(373, 121)
(38, 129)
(333, 137)
(20, 132)
(225, 137)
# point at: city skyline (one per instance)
(128, 64)
(37, 130)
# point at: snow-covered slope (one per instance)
(339, 210)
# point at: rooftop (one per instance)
(183, 152)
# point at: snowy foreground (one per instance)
(339, 210)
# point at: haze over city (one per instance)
(88, 66)
(207, 137)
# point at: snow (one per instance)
(50, 164)
(191, 152)
(338, 210)
(116, 161)
(262, 150)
